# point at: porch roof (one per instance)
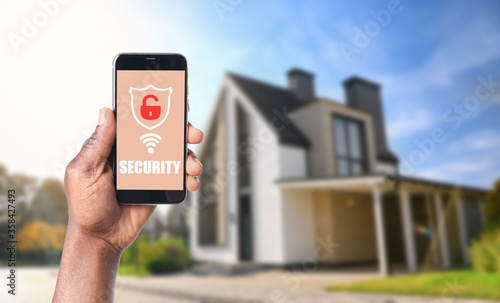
(382, 181)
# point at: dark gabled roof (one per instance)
(388, 156)
(273, 102)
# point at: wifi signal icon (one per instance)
(150, 140)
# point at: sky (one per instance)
(429, 58)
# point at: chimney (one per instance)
(365, 95)
(301, 83)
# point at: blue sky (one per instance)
(427, 58)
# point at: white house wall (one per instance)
(266, 202)
(227, 253)
(298, 226)
(293, 162)
(298, 208)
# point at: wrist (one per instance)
(88, 268)
(75, 236)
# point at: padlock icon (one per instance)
(149, 112)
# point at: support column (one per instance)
(409, 235)
(378, 208)
(431, 221)
(481, 211)
(443, 236)
(462, 228)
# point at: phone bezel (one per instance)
(139, 61)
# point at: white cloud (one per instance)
(410, 122)
(472, 159)
(484, 140)
(473, 47)
(456, 169)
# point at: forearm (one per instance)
(88, 269)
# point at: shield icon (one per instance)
(150, 105)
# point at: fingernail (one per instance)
(198, 160)
(102, 115)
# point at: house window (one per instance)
(244, 185)
(244, 149)
(349, 146)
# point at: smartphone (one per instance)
(150, 106)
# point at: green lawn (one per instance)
(450, 284)
(132, 270)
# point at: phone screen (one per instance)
(150, 136)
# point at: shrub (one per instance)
(485, 252)
(165, 255)
(162, 256)
(158, 265)
(130, 255)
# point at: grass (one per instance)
(132, 270)
(450, 284)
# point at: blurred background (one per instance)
(372, 112)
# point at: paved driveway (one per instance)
(271, 287)
(37, 285)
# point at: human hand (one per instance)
(99, 228)
(89, 188)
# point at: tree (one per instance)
(3, 171)
(24, 186)
(41, 236)
(49, 203)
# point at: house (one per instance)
(291, 178)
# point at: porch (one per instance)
(398, 224)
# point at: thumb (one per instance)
(95, 151)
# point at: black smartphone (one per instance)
(150, 105)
